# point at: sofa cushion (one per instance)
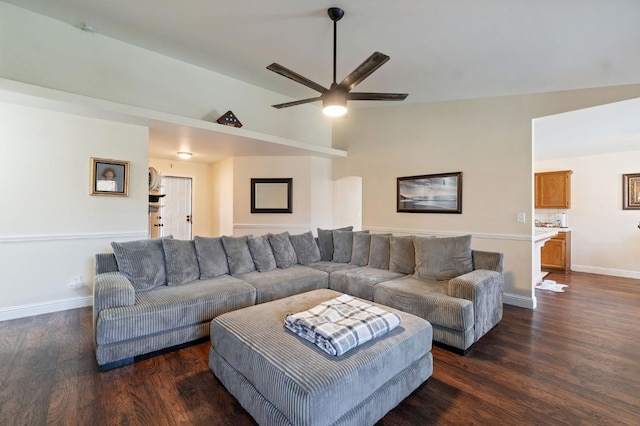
(359, 282)
(238, 254)
(379, 251)
(361, 248)
(342, 245)
(283, 250)
(142, 262)
(261, 253)
(442, 258)
(281, 283)
(212, 258)
(181, 261)
(306, 248)
(402, 256)
(325, 242)
(168, 308)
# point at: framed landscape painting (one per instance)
(437, 193)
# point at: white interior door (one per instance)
(175, 214)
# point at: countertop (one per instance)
(540, 234)
(556, 228)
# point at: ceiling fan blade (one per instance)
(363, 96)
(364, 70)
(294, 103)
(286, 72)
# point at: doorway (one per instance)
(174, 216)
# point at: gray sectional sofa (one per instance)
(150, 295)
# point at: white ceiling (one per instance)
(440, 50)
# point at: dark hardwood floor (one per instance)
(574, 360)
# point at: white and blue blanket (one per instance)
(341, 324)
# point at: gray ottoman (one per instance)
(281, 379)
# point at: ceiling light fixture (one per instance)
(334, 103)
(184, 155)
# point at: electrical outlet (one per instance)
(521, 217)
(76, 282)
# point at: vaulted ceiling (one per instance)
(440, 50)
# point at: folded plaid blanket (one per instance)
(341, 324)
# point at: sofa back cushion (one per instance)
(442, 258)
(361, 248)
(261, 253)
(142, 262)
(181, 261)
(325, 242)
(402, 255)
(379, 251)
(238, 254)
(342, 245)
(212, 258)
(283, 250)
(306, 248)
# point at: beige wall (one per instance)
(312, 192)
(489, 140)
(200, 175)
(51, 227)
(222, 198)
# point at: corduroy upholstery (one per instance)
(130, 322)
(280, 378)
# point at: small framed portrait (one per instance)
(631, 191)
(109, 177)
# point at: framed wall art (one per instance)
(271, 195)
(437, 193)
(109, 177)
(631, 191)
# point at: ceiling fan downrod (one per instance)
(336, 14)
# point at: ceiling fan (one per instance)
(334, 99)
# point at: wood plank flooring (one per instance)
(575, 360)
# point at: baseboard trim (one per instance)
(520, 301)
(31, 309)
(606, 271)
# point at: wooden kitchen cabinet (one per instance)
(556, 253)
(553, 190)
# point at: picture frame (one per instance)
(271, 195)
(434, 193)
(109, 177)
(631, 191)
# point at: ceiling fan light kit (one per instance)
(334, 99)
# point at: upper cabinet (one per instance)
(553, 190)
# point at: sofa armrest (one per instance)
(484, 288)
(488, 260)
(111, 290)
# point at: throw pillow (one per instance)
(211, 257)
(238, 254)
(402, 256)
(261, 253)
(306, 248)
(283, 251)
(325, 242)
(442, 258)
(379, 251)
(342, 245)
(181, 261)
(361, 248)
(142, 262)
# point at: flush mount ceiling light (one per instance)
(334, 99)
(184, 155)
